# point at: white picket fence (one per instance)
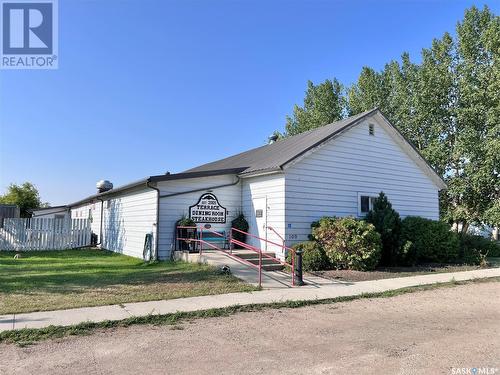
(44, 234)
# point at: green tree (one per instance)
(323, 104)
(448, 106)
(369, 92)
(388, 223)
(473, 172)
(25, 196)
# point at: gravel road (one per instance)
(429, 332)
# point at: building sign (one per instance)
(207, 210)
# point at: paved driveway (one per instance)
(428, 332)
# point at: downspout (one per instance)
(100, 226)
(155, 256)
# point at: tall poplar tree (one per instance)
(448, 106)
(323, 104)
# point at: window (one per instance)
(371, 129)
(365, 203)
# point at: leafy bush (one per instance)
(185, 222)
(388, 223)
(495, 249)
(349, 243)
(242, 224)
(314, 224)
(313, 256)
(428, 241)
(185, 233)
(474, 249)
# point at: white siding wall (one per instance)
(173, 208)
(327, 181)
(51, 213)
(82, 212)
(127, 220)
(273, 188)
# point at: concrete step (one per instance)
(264, 260)
(268, 264)
(249, 254)
(272, 267)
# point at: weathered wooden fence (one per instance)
(44, 234)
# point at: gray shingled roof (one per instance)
(275, 155)
(260, 159)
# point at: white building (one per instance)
(334, 170)
(54, 212)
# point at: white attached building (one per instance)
(335, 170)
(54, 212)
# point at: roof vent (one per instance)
(371, 129)
(103, 185)
(167, 173)
(273, 138)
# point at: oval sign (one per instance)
(207, 210)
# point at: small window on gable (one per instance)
(371, 129)
(365, 203)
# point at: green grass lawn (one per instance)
(51, 280)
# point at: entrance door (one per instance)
(260, 215)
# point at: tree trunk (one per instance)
(465, 227)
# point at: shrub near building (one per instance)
(474, 249)
(428, 241)
(313, 256)
(348, 243)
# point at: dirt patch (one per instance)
(391, 272)
(424, 332)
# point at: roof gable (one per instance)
(406, 146)
(274, 156)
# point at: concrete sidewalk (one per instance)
(250, 275)
(326, 291)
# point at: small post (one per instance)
(231, 241)
(260, 268)
(176, 237)
(201, 240)
(298, 268)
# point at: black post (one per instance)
(298, 268)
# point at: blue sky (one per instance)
(145, 87)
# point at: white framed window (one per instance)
(365, 203)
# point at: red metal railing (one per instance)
(259, 250)
(202, 242)
(284, 247)
(198, 239)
